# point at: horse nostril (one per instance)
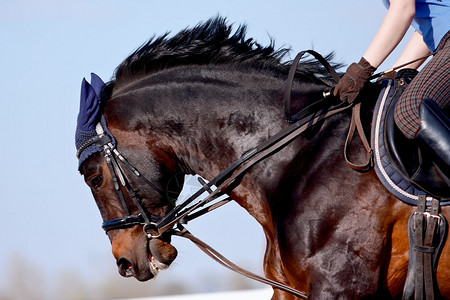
(125, 267)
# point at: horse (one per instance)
(196, 102)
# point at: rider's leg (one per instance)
(433, 82)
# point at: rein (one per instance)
(233, 267)
(226, 181)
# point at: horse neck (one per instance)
(216, 114)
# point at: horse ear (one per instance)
(89, 108)
(97, 84)
(89, 113)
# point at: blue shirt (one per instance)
(432, 20)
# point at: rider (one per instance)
(431, 21)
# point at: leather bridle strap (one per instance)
(211, 252)
(119, 179)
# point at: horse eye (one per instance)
(96, 181)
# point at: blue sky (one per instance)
(48, 215)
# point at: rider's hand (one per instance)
(353, 80)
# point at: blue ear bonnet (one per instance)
(89, 116)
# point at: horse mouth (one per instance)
(155, 265)
(144, 262)
(152, 270)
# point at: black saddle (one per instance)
(406, 156)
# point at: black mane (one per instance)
(211, 42)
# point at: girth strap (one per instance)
(427, 235)
(418, 240)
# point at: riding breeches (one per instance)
(432, 82)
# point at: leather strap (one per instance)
(211, 252)
(418, 238)
(425, 228)
(428, 240)
(293, 70)
(356, 124)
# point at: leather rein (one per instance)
(172, 223)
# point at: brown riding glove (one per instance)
(351, 84)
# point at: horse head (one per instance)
(123, 193)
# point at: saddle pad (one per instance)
(391, 178)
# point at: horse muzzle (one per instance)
(138, 257)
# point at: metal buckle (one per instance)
(151, 226)
(428, 215)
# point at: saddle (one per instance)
(412, 177)
(399, 162)
(406, 155)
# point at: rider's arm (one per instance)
(394, 26)
(415, 48)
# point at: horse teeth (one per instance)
(154, 263)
